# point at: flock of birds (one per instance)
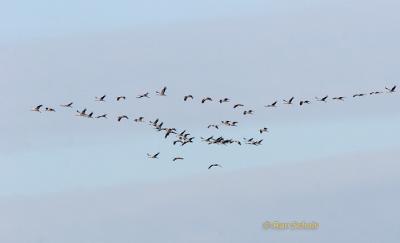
(185, 137)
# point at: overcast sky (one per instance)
(254, 52)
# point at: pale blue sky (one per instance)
(26, 20)
(254, 52)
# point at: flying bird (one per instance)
(207, 139)
(159, 126)
(145, 95)
(162, 92)
(140, 119)
(262, 130)
(358, 95)
(90, 115)
(154, 156)
(186, 142)
(304, 102)
(182, 133)
(168, 131)
(229, 123)
(252, 141)
(392, 90)
(121, 97)
(289, 102)
(338, 98)
(214, 165)
(50, 109)
(187, 97)
(81, 113)
(37, 108)
(237, 105)
(101, 98)
(177, 158)
(102, 116)
(375, 92)
(273, 104)
(177, 141)
(249, 112)
(69, 105)
(257, 143)
(223, 100)
(214, 126)
(154, 123)
(122, 117)
(206, 99)
(322, 99)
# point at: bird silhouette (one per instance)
(145, 95)
(254, 142)
(341, 98)
(121, 98)
(188, 97)
(229, 123)
(289, 102)
(154, 156)
(154, 123)
(324, 99)
(69, 105)
(391, 90)
(162, 92)
(182, 133)
(224, 100)
(102, 116)
(375, 92)
(214, 165)
(177, 141)
(272, 105)
(206, 99)
(304, 102)
(81, 113)
(207, 139)
(102, 98)
(248, 112)
(140, 119)
(37, 108)
(158, 127)
(122, 117)
(169, 131)
(214, 126)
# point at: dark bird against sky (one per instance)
(102, 98)
(214, 165)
